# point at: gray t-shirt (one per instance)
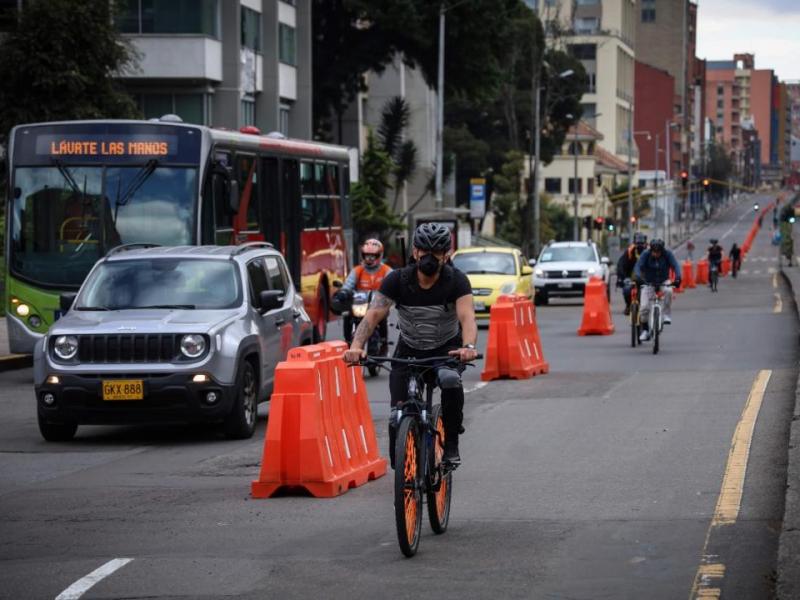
(427, 318)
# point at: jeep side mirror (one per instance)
(532, 262)
(527, 270)
(66, 300)
(605, 260)
(270, 300)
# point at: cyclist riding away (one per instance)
(626, 264)
(715, 252)
(366, 277)
(736, 259)
(653, 270)
(435, 316)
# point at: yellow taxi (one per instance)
(492, 271)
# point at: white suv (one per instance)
(564, 268)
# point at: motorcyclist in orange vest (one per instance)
(366, 277)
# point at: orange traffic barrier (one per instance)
(514, 348)
(320, 436)
(702, 272)
(596, 310)
(687, 278)
(725, 267)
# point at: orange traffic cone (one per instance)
(687, 280)
(596, 310)
(514, 349)
(725, 267)
(702, 272)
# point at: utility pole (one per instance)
(630, 174)
(576, 231)
(440, 111)
(655, 194)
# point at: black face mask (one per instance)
(428, 265)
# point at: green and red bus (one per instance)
(79, 188)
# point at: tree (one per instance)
(395, 118)
(371, 215)
(719, 166)
(506, 201)
(60, 63)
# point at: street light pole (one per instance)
(575, 225)
(440, 111)
(655, 191)
(630, 174)
(537, 144)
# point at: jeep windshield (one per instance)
(162, 283)
(568, 254)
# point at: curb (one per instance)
(12, 362)
(788, 576)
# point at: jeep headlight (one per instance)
(66, 347)
(359, 310)
(193, 345)
(508, 287)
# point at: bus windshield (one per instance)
(64, 218)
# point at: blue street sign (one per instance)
(477, 198)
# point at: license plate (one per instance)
(565, 286)
(480, 307)
(123, 389)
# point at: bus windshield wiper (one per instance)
(138, 181)
(67, 176)
(93, 308)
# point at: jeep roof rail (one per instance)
(247, 246)
(133, 246)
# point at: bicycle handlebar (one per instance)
(431, 360)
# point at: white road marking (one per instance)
(739, 220)
(774, 280)
(80, 587)
(778, 304)
(476, 387)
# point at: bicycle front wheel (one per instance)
(634, 324)
(655, 329)
(407, 489)
(440, 486)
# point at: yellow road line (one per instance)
(709, 574)
(778, 304)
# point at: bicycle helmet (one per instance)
(657, 245)
(373, 249)
(713, 241)
(433, 237)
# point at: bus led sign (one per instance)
(77, 147)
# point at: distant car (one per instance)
(564, 268)
(155, 335)
(493, 271)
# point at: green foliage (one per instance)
(719, 166)
(556, 221)
(60, 62)
(371, 215)
(395, 117)
(507, 198)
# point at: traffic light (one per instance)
(633, 220)
(684, 178)
(598, 223)
(610, 224)
(706, 184)
(587, 222)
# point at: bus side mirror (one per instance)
(233, 195)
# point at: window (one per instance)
(287, 50)
(258, 280)
(307, 178)
(246, 172)
(587, 2)
(552, 185)
(587, 25)
(168, 16)
(251, 29)
(648, 11)
(307, 208)
(283, 119)
(248, 111)
(324, 214)
(189, 107)
(720, 103)
(720, 90)
(276, 274)
(590, 185)
(572, 185)
(584, 51)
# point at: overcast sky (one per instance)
(770, 29)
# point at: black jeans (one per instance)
(452, 399)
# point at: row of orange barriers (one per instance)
(320, 435)
(514, 348)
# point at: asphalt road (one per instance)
(598, 480)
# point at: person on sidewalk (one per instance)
(690, 249)
(652, 272)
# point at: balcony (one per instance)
(172, 56)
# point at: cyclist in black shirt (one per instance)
(436, 317)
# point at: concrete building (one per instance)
(601, 34)
(227, 63)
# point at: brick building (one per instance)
(655, 90)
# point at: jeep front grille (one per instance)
(129, 348)
(560, 275)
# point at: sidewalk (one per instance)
(788, 585)
(10, 361)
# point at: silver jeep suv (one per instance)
(184, 334)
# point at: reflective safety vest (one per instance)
(366, 281)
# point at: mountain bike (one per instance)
(419, 471)
(655, 320)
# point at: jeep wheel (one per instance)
(541, 299)
(57, 432)
(241, 422)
